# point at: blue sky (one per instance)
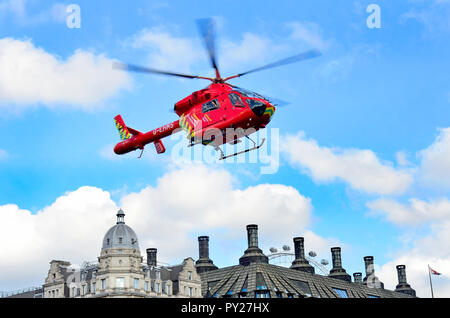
(373, 107)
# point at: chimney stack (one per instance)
(253, 254)
(252, 235)
(204, 263)
(357, 278)
(403, 286)
(301, 263)
(337, 271)
(371, 280)
(151, 256)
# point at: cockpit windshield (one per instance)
(250, 94)
(257, 106)
(236, 100)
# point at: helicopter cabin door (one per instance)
(213, 112)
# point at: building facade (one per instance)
(254, 277)
(121, 272)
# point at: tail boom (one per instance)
(140, 140)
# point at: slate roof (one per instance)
(254, 277)
(231, 281)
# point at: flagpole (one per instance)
(431, 284)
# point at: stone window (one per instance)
(189, 275)
(146, 286)
(103, 283)
(120, 282)
(136, 283)
(157, 287)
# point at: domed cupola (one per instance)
(120, 235)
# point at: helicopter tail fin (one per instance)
(124, 131)
(122, 128)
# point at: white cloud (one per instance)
(435, 161)
(431, 250)
(18, 10)
(16, 7)
(3, 154)
(30, 76)
(196, 199)
(416, 213)
(177, 53)
(402, 158)
(310, 33)
(433, 17)
(166, 51)
(251, 50)
(187, 202)
(361, 169)
(67, 229)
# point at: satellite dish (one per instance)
(324, 262)
(286, 248)
(273, 250)
(312, 254)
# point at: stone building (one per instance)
(121, 272)
(254, 277)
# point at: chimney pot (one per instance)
(301, 263)
(203, 246)
(151, 256)
(253, 254)
(403, 286)
(204, 263)
(357, 277)
(401, 273)
(252, 235)
(336, 257)
(368, 261)
(337, 271)
(371, 280)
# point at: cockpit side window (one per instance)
(209, 106)
(236, 100)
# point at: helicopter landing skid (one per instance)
(255, 147)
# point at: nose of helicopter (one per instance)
(269, 111)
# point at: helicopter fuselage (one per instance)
(213, 116)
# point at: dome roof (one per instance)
(120, 235)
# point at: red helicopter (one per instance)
(221, 113)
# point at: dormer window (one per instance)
(120, 240)
(107, 241)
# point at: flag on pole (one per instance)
(434, 272)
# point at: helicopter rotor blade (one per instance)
(206, 28)
(289, 60)
(140, 69)
(274, 101)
